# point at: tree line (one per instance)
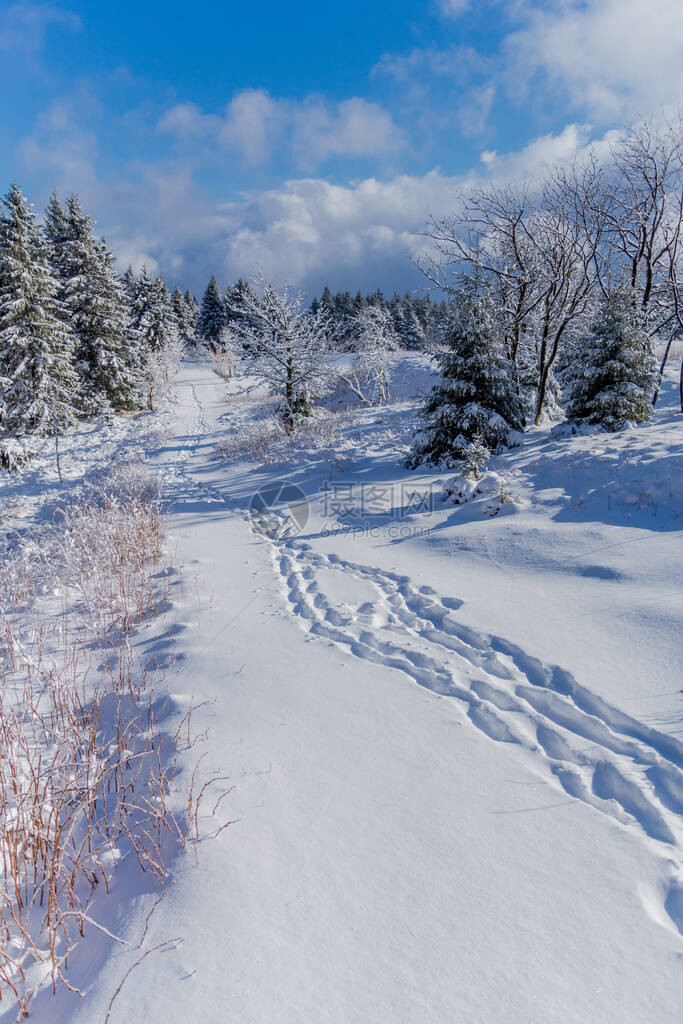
(76, 339)
(557, 298)
(562, 295)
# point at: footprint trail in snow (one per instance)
(570, 736)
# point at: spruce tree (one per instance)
(192, 307)
(213, 317)
(327, 301)
(615, 380)
(413, 333)
(114, 356)
(184, 314)
(96, 307)
(476, 396)
(55, 231)
(129, 282)
(38, 385)
(397, 315)
(152, 313)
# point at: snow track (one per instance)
(568, 735)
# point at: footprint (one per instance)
(627, 770)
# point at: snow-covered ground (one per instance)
(453, 730)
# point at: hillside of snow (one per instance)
(450, 712)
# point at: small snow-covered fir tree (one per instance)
(474, 457)
(374, 336)
(116, 360)
(476, 396)
(616, 375)
(38, 384)
(212, 317)
(96, 308)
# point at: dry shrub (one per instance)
(88, 776)
(254, 442)
(268, 442)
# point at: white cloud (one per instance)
(60, 146)
(353, 128)
(187, 122)
(539, 155)
(23, 26)
(474, 112)
(252, 121)
(609, 58)
(603, 61)
(453, 8)
(313, 130)
(307, 230)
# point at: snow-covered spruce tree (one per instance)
(129, 282)
(55, 231)
(38, 384)
(212, 317)
(185, 315)
(192, 306)
(374, 335)
(288, 344)
(476, 396)
(234, 300)
(615, 379)
(413, 336)
(96, 308)
(151, 312)
(157, 328)
(474, 457)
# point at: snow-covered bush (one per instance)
(224, 355)
(127, 480)
(267, 440)
(15, 453)
(476, 395)
(489, 492)
(254, 442)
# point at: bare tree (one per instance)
(537, 257)
(289, 345)
(489, 237)
(161, 368)
(223, 356)
(374, 337)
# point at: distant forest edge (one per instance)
(561, 300)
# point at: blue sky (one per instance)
(311, 139)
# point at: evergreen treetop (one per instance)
(476, 396)
(616, 373)
(38, 385)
